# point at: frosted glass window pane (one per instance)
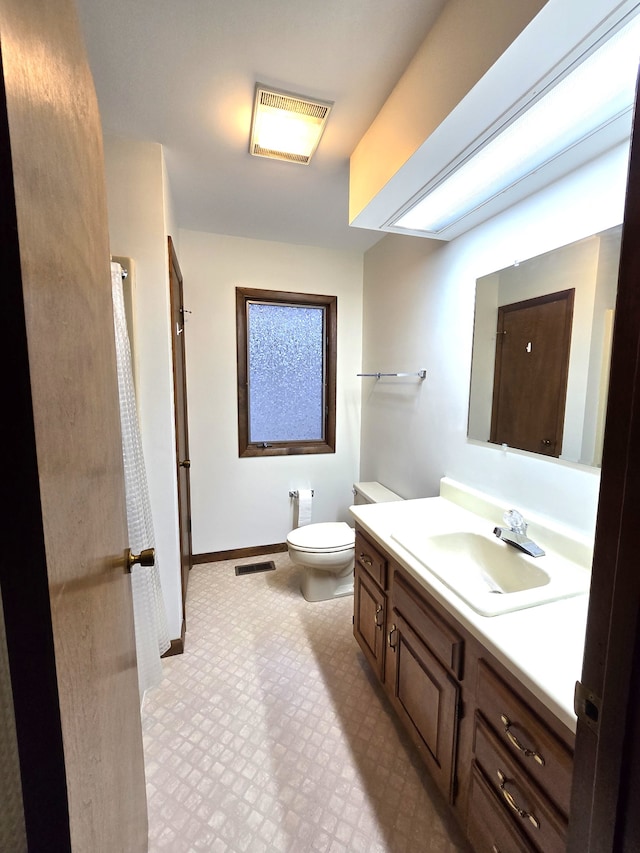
(286, 372)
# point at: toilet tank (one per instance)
(373, 493)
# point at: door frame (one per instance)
(183, 474)
(606, 774)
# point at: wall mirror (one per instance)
(541, 350)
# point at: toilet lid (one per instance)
(325, 536)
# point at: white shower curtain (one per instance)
(152, 633)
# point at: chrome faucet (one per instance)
(516, 534)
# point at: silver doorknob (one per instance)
(144, 558)
(186, 463)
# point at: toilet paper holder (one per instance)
(295, 494)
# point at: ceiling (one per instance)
(183, 74)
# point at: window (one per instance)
(286, 372)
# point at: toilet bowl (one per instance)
(326, 551)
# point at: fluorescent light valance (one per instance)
(286, 126)
(594, 94)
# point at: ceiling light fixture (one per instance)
(286, 126)
(593, 95)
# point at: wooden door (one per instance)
(606, 781)
(65, 589)
(532, 364)
(183, 463)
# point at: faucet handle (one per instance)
(515, 521)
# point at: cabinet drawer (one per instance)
(489, 830)
(546, 758)
(525, 804)
(428, 625)
(372, 561)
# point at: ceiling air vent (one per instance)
(286, 126)
(279, 155)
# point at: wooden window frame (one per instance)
(286, 448)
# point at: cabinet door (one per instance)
(426, 699)
(370, 605)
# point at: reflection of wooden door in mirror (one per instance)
(531, 369)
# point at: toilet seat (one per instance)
(327, 537)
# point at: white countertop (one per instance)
(542, 646)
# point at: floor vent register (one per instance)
(253, 568)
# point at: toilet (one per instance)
(325, 551)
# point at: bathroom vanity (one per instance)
(487, 700)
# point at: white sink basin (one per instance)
(490, 575)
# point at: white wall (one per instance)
(139, 216)
(418, 313)
(238, 503)
(169, 213)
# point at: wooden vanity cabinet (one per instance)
(370, 602)
(369, 558)
(489, 830)
(502, 760)
(545, 758)
(424, 659)
(425, 698)
(530, 812)
(525, 762)
(369, 617)
(416, 654)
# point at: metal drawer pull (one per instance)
(506, 722)
(366, 559)
(393, 631)
(512, 803)
(377, 613)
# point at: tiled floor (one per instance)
(270, 734)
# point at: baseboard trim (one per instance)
(238, 553)
(177, 646)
